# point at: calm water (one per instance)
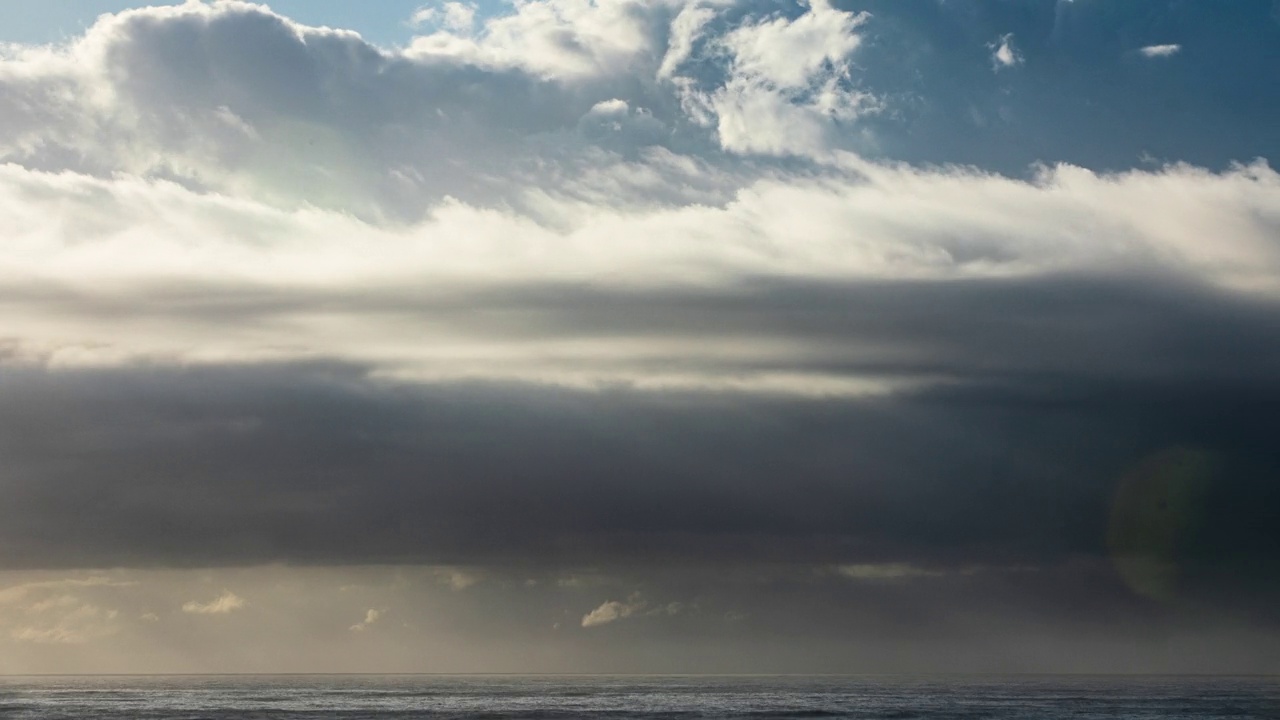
(496, 698)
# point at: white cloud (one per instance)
(459, 16)
(787, 90)
(613, 610)
(1003, 53)
(790, 53)
(1160, 51)
(454, 16)
(269, 216)
(609, 107)
(226, 603)
(685, 30)
(371, 616)
(569, 39)
(130, 244)
(424, 15)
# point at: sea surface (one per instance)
(677, 697)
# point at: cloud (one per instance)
(1003, 53)
(1159, 51)
(884, 571)
(453, 16)
(75, 625)
(614, 610)
(423, 16)
(206, 298)
(17, 593)
(577, 285)
(226, 603)
(797, 312)
(787, 90)
(370, 617)
(458, 580)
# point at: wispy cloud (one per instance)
(76, 624)
(227, 602)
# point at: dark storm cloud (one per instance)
(1101, 329)
(1038, 400)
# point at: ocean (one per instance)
(676, 697)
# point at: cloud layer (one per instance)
(624, 284)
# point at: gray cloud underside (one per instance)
(314, 465)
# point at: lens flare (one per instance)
(1155, 517)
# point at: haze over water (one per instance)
(674, 697)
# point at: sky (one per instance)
(640, 336)
(387, 23)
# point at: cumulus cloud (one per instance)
(788, 89)
(226, 603)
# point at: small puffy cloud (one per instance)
(788, 88)
(455, 16)
(609, 108)
(1160, 51)
(614, 610)
(424, 15)
(459, 16)
(1003, 53)
(611, 611)
(458, 580)
(371, 616)
(787, 53)
(225, 604)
